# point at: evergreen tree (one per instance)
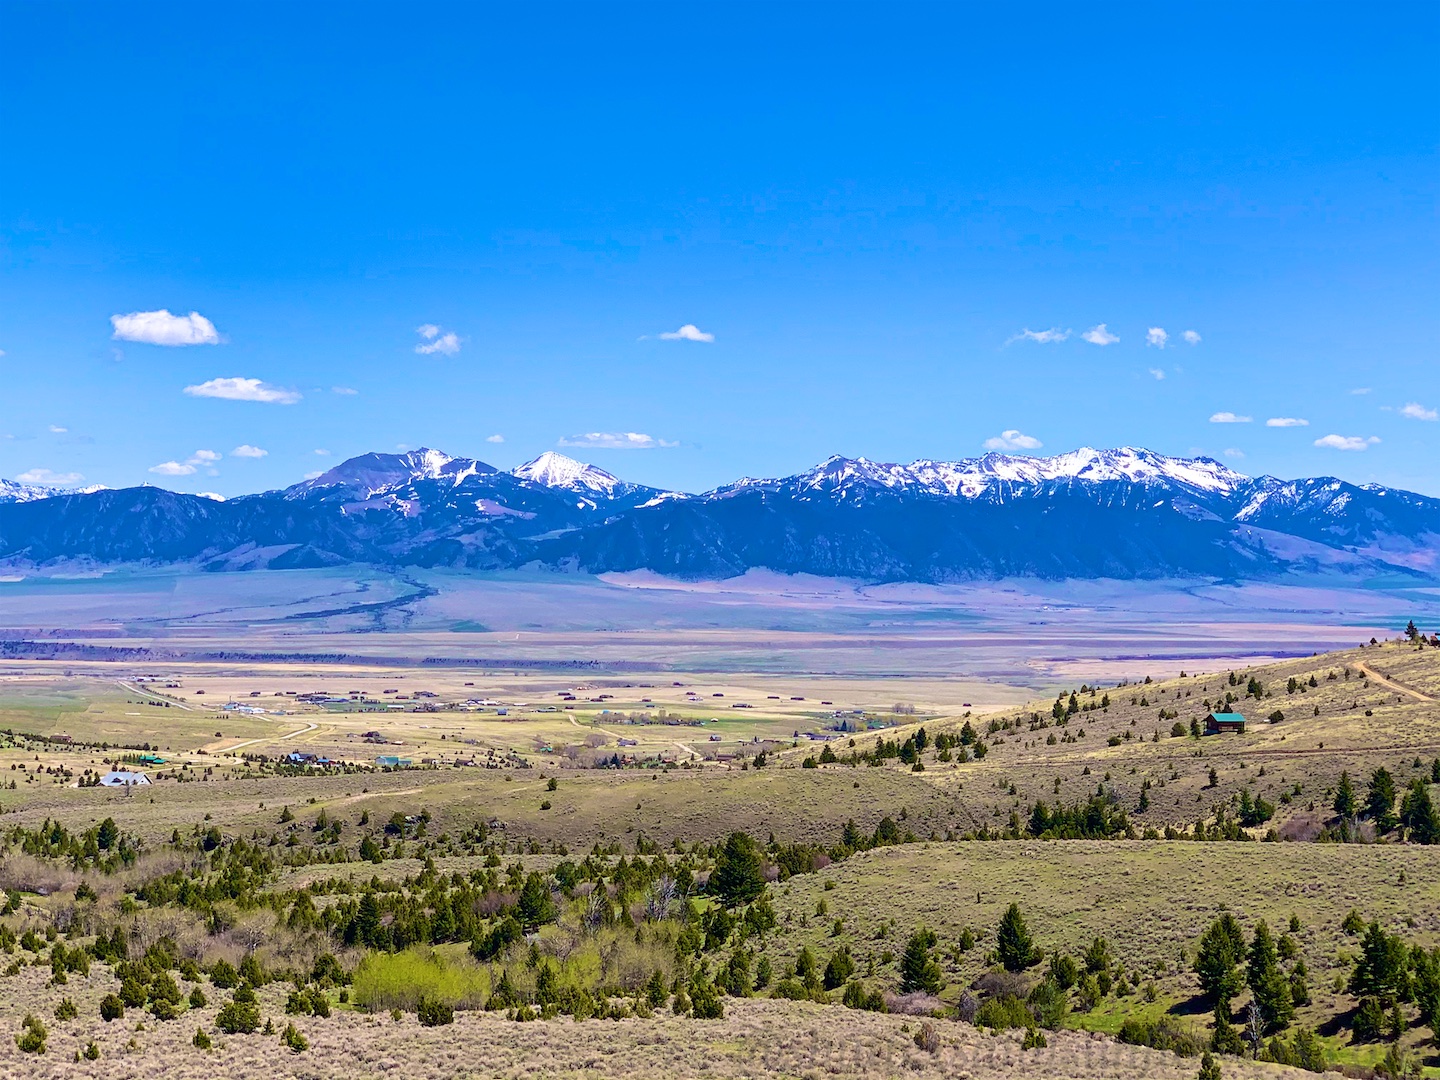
(739, 875)
(1345, 804)
(1267, 982)
(839, 969)
(536, 907)
(1221, 947)
(918, 969)
(1209, 1067)
(1224, 1038)
(1383, 968)
(1417, 814)
(367, 921)
(1380, 800)
(1013, 941)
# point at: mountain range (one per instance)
(1122, 513)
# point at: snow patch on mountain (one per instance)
(973, 477)
(14, 492)
(558, 471)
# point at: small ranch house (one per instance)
(1218, 723)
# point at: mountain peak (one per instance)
(971, 477)
(558, 471)
(368, 474)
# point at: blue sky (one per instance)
(866, 206)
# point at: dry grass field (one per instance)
(543, 802)
(756, 1038)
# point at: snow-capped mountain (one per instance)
(1127, 512)
(975, 477)
(558, 471)
(370, 474)
(12, 491)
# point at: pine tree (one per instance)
(918, 969)
(1417, 814)
(1345, 797)
(1224, 1038)
(1380, 800)
(739, 875)
(1221, 947)
(1013, 941)
(1267, 982)
(1209, 1067)
(535, 907)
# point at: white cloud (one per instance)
(436, 342)
(1013, 440)
(1157, 336)
(1416, 411)
(1233, 453)
(323, 453)
(1360, 390)
(1191, 337)
(616, 440)
(172, 468)
(45, 476)
(1158, 373)
(1098, 335)
(688, 332)
(56, 429)
(1228, 418)
(448, 344)
(495, 438)
(344, 391)
(204, 457)
(162, 328)
(1346, 442)
(246, 450)
(238, 389)
(313, 475)
(1040, 337)
(1286, 421)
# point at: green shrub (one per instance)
(705, 1002)
(164, 1009)
(856, 997)
(1369, 1022)
(1004, 1012)
(198, 999)
(91, 1051)
(66, 1010)
(434, 1013)
(132, 992)
(31, 1039)
(111, 1008)
(238, 1018)
(224, 975)
(400, 980)
(1050, 1004)
(1162, 1034)
(201, 1041)
(1034, 1040)
(839, 969)
(292, 1038)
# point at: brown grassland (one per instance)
(679, 792)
